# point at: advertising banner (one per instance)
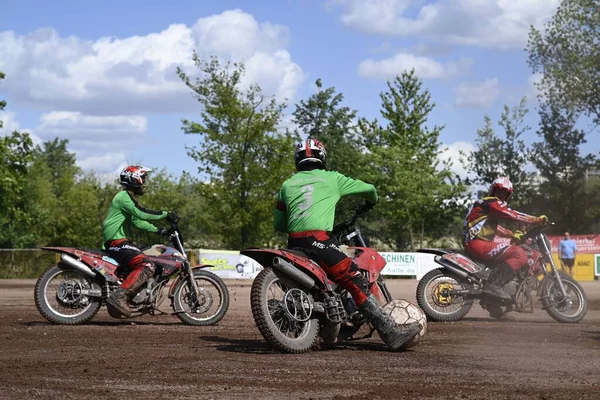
(597, 264)
(230, 264)
(588, 244)
(408, 264)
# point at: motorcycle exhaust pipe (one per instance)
(288, 269)
(76, 265)
(452, 268)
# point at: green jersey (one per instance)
(307, 200)
(125, 211)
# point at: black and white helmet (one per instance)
(133, 178)
(310, 151)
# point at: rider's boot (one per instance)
(499, 277)
(119, 299)
(391, 334)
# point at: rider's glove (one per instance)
(541, 220)
(172, 217)
(163, 232)
(518, 236)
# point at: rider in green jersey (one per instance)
(305, 210)
(125, 211)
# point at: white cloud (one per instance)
(425, 67)
(138, 73)
(11, 124)
(77, 126)
(109, 163)
(481, 94)
(97, 140)
(486, 23)
(452, 153)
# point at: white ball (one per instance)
(404, 312)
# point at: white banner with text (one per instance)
(229, 264)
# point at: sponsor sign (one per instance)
(588, 244)
(230, 264)
(404, 264)
(408, 264)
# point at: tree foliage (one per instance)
(323, 117)
(567, 54)
(404, 167)
(563, 194)
(2, 102)
(241, 153)
(505, 155)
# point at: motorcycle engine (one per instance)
(510, 288)
(143, 295)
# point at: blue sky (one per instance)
(102, 75)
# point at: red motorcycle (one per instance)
(72, 292)
(293, 301)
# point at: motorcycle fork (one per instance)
(188, 268)
(555, 271)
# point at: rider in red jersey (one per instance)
(480, 228)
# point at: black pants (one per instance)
(138, 267)
(340, 269)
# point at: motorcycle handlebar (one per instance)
(360, 211)
(533, 232)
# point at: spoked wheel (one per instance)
(208, 307)
(436, 299)
(283, 313)
(62, 297)
(569, 309)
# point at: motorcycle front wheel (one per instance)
(570, 309)
(434, 296)
(282, 311)
(60, 296)
(210, 304)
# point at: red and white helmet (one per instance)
(310, 151)
(133, 178)
(501, 185)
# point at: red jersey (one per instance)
(483, 217)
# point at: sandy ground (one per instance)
(533, 357)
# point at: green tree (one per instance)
(562, 193)
(61, 163)
(2, 102)
(15, 156)
(75, 219)
(241, 153)
(567, 54)
(504, 156)
(323, 117)
(416, 190)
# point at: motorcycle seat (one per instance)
(297, 252)
(94, 251)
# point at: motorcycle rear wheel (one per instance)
(68, 296)
(437, 307)
(274, 320)
(556, 306)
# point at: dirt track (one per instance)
(158, 357)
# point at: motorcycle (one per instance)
(86, 277)
(305, 303)
(447, 293)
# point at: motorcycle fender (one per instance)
(178, 279)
